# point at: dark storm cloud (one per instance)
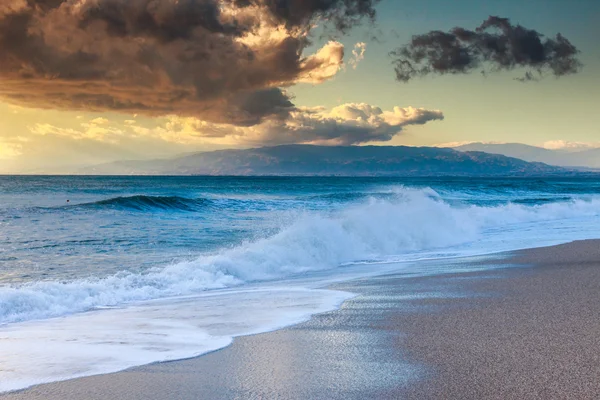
(161, 20)
(497, 43)
(220, 60)
(342, 14)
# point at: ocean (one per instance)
(98, 274)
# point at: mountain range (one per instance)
(327, 160)
(586, 158)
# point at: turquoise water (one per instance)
(167, 252)
(72, 227)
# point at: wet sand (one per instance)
(526, 332)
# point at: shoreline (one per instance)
(401, 321)
(81, 368)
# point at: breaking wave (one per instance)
(411, 221)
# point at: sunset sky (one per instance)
(91, 81)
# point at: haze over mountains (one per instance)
(589, 158)
(327, 160)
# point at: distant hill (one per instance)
(324, 160)
(585, 158)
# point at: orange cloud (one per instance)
(219, 60)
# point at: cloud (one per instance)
(97, 129)
(496, 43)
(11, 147)
(358, 54)
(343, 125)
(569, 146)
(466, 142)
(210, 59)
(100, 121)
(528, 77)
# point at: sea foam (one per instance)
(111, 340)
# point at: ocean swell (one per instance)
(150, 203)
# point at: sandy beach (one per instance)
(527, 330)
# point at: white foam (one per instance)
(111, 340)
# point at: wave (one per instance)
(413, 221)
(346, 196)
(150, 203)
(174, 203)
(541, 200)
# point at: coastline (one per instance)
(499, 333)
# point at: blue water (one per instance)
(84, 247)
(71, 227)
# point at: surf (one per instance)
(410, 224)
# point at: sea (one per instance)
(99, 274)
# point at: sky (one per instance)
(85, 82)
